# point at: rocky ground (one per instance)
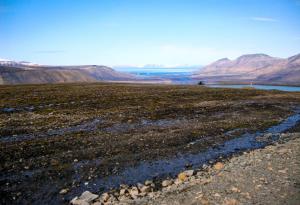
(265, 176)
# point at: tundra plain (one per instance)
(67, 136)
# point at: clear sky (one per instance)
(138, 32)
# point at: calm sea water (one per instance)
(175, 77)
(261, 87)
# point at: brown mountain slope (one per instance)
(24, 74)
(45, 76)
(289, 74)
(253, 67)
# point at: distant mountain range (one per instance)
(256, 68)
(246, 69)
(13, 72)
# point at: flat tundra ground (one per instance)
(56, 141)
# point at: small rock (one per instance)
(217, 195)
(258, 186)
(124, 186)
(151, 194)
(177, 181)
(123, 198)
(123, 192)
(189, 173)
(64, 191)
(97, 203)
(246, 194)
(188, 165)
(218, 166)
(205, 166)
(235, 190)
(166, 183)
(231, 202)
(139, 185)
(283, 171)
(88, 196)
(77, 201)
(145, 189)
(182, 176)
(134, 192)
(148, 182)
(142, 194)
(104, 197)
(112, 199)
(204, 201)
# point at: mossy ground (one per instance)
(136, 122)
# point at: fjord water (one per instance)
(177, 77)
(181, 77)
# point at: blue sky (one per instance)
(138, 32)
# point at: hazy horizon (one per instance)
(137, 33)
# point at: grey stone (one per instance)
(77, 201)
(88, 196)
